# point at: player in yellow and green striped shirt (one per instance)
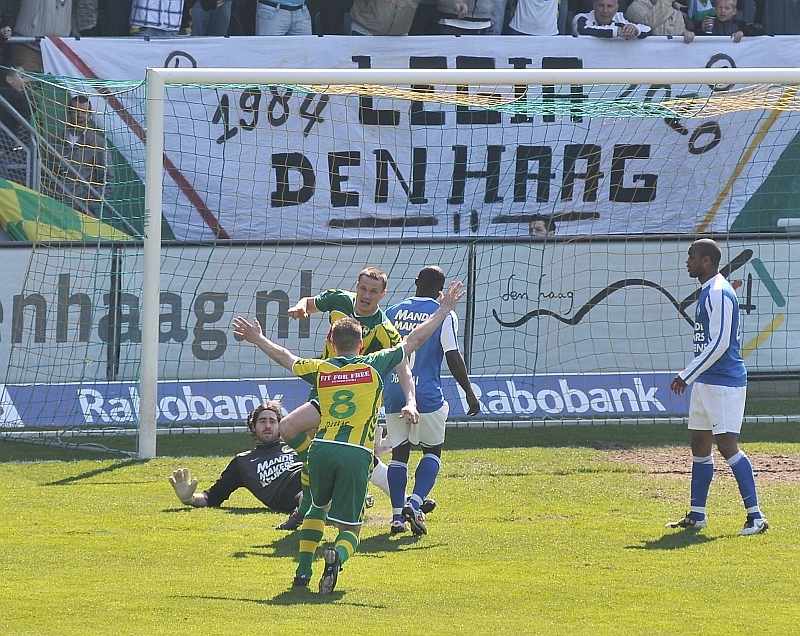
(377, 333)
(350, 388)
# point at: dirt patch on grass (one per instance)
(677, 460)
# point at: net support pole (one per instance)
(151, 268)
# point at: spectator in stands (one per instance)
(40, 19)
(468, 17)
(535, 17)
(9, 10)
(13, 135)
(606, 21)
(662, 17)
(329, 17)
(287, 17)
(87, 178)
(156, 18)
(378, 17)
(541, 225)
(210, 17)
(726, 24)
(84, 16)
(13, 91)
(117, 18)
(697, 10)
(426, 19)
(780, 17)
(500, 19)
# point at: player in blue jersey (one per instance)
(716, 408)
(426, 367)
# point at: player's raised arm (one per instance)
(253, 334)
(304, 308)
(447, 302)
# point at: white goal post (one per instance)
(158, 79)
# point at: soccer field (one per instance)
(538, 531)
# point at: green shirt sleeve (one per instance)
(385, 360)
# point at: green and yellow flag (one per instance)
(30, 216)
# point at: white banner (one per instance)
(261, 164)
(539, 307)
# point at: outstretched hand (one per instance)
(298, 311)
(250, 332)
(184, 485)
(455, 292)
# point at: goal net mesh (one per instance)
(568, 210)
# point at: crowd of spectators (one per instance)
(627, 19)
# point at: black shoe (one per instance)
(688, 523)
(416, 519)
(398, 527)
(331, 573)
(301, 580)
(428, 505)
(293, 521)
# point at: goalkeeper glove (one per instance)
(184, 485)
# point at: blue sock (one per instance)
(743, 471)
(397, 476)
(425, 476)
(702, 474)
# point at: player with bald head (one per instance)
(428, 433)
(719, 390)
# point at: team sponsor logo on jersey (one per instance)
(273, 468)
(338, 378)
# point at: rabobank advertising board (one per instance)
(227, 402)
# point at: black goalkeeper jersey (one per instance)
(270, 471)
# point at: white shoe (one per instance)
(754, 526)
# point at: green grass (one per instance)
(537, 532)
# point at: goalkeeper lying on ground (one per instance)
(271, 471)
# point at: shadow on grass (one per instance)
(233, 511)
(674, 541)
(289, 544)
(285, 546)
(292, 596)
(94, 473)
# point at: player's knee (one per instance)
(433, 450)
(401, 453)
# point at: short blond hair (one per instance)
(375, 274)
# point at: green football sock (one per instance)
(311, 533)
(346, 544)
